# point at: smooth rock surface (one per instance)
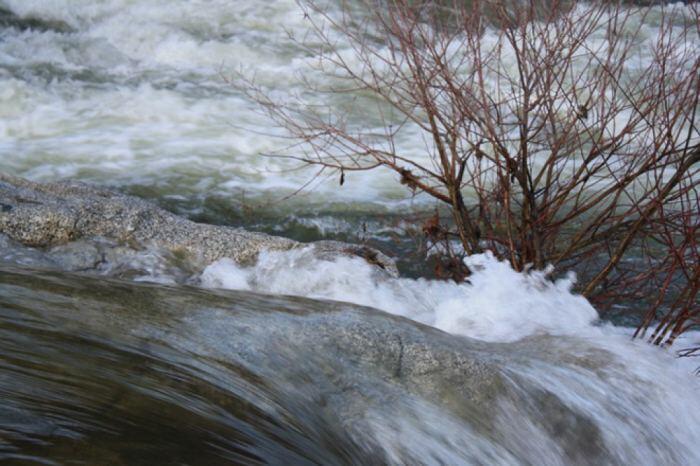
(359, 371)
(347, 357)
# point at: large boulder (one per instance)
(50, 214)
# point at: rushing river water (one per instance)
(131, 94)
(108, 372)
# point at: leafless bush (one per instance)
(555, 132)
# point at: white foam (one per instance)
(498, 304)
(225, 274)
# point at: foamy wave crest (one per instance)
(499, 304)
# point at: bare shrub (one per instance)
(558, 133)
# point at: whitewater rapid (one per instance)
(640, 399)
(139, 93)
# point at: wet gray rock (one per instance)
(50, 214)
(77, 256)
(347, 358)
(363, 370)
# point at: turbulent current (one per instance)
(111, 372)
(295, 359)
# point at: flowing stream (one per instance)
(113, 372)
(296, 359)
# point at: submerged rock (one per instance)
(51, 214)
(397, 389)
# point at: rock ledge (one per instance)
(50, 214)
